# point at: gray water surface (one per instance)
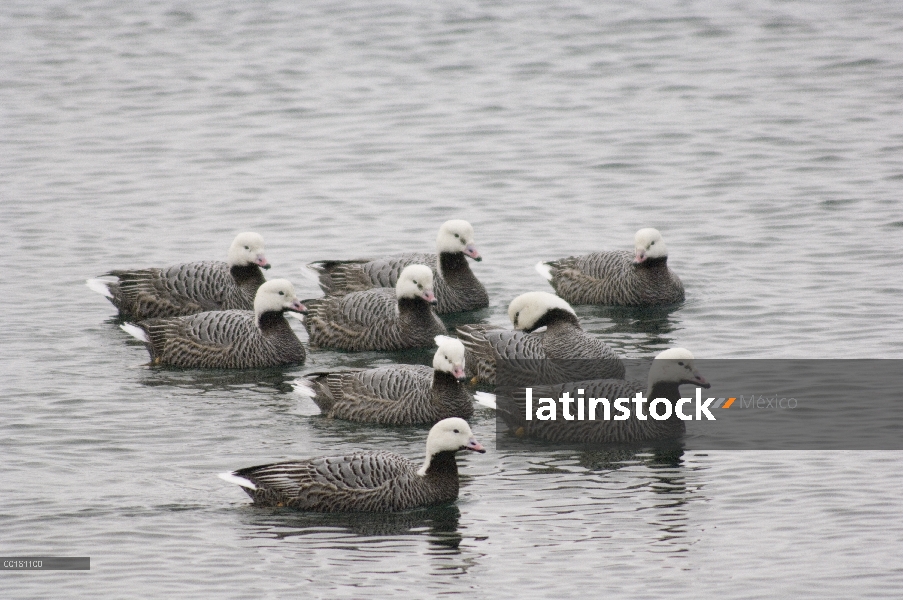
(764, 141)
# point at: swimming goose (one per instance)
(456, 287)
(396, 394)
(564, 352)
(229, 339)
(189, 288)
(364, 481)
(379, 318)
(618, 278)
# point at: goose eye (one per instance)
(456, 431)
(652, 244)
(247, 248)
(446, 357)
(456, 235)
(282, 293)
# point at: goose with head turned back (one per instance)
(564, 352)
(456, 287)
(618, 278)
(670, 369)
(395, 394)
(189, 288)
(379, 318)
(229, 339)
(364, 481)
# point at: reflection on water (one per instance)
(207, 380)
(281, 524)
(648, 484)
(360, 533)
(658, 469)
(633, 331)
(667, 454)
(601, 457)
(655, 320)
(475, 317)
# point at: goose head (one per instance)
(526, 310)
(648, 244)
(277, 295)
(449, 357)
(676, 365)
(457, 236)
(416, 281)
(247, 249)
(449, 435)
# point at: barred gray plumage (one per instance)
(231, 339)
(363, 481)
(189, 288)
(457, 288)
(392, 395)
(564, 352)
(375, 319)
(617, 278)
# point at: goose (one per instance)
(670, 369)
(457, 288)
(618, 278)
(564, 352)
(189, 288)
(364, 481)
(229, 339)
(379, 318)
(396, 394)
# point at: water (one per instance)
(764, 141)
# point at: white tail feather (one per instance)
(310, 274)
(233, 478)
(136, 332)
(99, 286)
(545, 270)
(304, 387)
(485, 399)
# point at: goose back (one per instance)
(371, 320)
(564, 352)
(457, 288)
(229, 339)
(612, 278)
(394, 395)
(183, 289)
(365, 481)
